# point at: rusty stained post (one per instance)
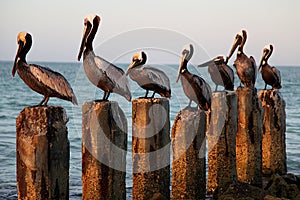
(188, 166)
(249, 137)
(151, 148)
(221, 136)
(104, 147)
(43, 153)
(273, 138)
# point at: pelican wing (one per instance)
(156, 76)
(253, 63)
(54, 81)
(276, 73)
(204, 89)
(115, 74)
(228, 72)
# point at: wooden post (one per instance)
(43, 153)
(151, 148)
(188, 166)
(273, 139)
(221, 138)
(249, 137)
(104, 146)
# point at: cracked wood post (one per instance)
(274, 127)
(104, 147)
(249, 137)
(151, 148)
(43, 153)
(221, 138)
(188, 166)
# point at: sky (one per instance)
(159, 27)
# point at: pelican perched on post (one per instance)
(271, 75)
(100, 72)
(149, 78)
(245, 67)
(40, 79)
(194, 87)
(220, 72)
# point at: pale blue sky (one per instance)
(56, 27)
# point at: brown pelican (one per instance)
(100, 72)
(194, 87)
(270, 75)
(220, 72)
(40, 79)
(245, 67)
(149, 78)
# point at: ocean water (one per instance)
(15, 95)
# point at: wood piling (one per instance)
(249, 137)
(43, 153)
(151, 148)
(104, 147)
(188, 166)
(273, 138)
(221, 136)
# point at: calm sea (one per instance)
(15, 95)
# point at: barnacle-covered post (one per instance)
(104, 147)
(221, 137)
(188, 144)
(151, 148)
(249, 137)
(273, 138)
(43, 153)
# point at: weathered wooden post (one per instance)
(273, 138)
(249, 137)
(221, 136)
(42, 153)
(151, 148)
(188, 166)
(104, 146)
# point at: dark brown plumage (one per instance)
(40, 79)
(220, 72)
(271, 75)
(245, 66)
(194, 87)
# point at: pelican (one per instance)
(40, 79)
(245, 67)
(100, 72)
(149, 78)
(271, 75)
(194, 87)
(220, 72)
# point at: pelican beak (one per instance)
(236, 43)
(208, 63)
(265, 53)
(16, 59)
(86, 32)
(180, 68)
(132, 65)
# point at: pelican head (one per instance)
(91, 24)
(138, 59)
(240, 40)
(187, 54)
(267, 52)
(220, 59)
(24, 40)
